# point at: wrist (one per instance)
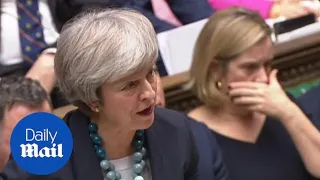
(50, 51)
(289, 113)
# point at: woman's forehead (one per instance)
(137, 73)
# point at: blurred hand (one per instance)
(43, 71)
(290, 9)
(269, 99)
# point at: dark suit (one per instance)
(67, 9)
(310, 102)
(211, 165)
(170, 142)
(187, 11)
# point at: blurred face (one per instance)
(129, 102)
(160, 99)
(253, 65)
(3, 154)
(11, 117)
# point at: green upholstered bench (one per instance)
(299, 90)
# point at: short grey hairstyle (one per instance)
(101, 46)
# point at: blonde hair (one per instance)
(226, 35)
(100, 46)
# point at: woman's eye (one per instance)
(151, 76)
(131, 85)
(252, 67)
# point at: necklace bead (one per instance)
(104, 164)
(138, 178)
(107, 167)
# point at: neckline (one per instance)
(242, 141)
(122, 163)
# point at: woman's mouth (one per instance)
(147, 111)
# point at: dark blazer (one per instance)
(67, 9)
(211, 165)
(170, 142)
(187, 11)
(310, 102)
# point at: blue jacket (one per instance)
(179, 149)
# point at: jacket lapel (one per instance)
(85, 163)
(163, 151)
(162, 146)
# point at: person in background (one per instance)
(105, 65)
(268, 8)
(28, 36)
(20, 97)
(186, 11)
(160, 96)
(3, 158)
(261, 130)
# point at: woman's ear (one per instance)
(94, 107)
(215, 70)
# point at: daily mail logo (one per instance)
(33, 150)
(41, 143)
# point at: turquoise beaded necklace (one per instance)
(139, 156)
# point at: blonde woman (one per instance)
(262, 132)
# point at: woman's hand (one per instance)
(269, 99)
(288, 9)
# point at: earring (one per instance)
(96, 109)
(218, 84)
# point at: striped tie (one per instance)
(30, 30)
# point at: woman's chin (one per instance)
(145, 122)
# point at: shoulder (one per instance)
(171, 120)
(12, 171)
(198, 113)
(178, 119)
(200, 132)
(310, 104)
(170, 117)
(311, 98)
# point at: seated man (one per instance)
(28, 40)
(19, 97)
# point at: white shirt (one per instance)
(124, 167)
(10, 39)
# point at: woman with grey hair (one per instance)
(105, 65)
